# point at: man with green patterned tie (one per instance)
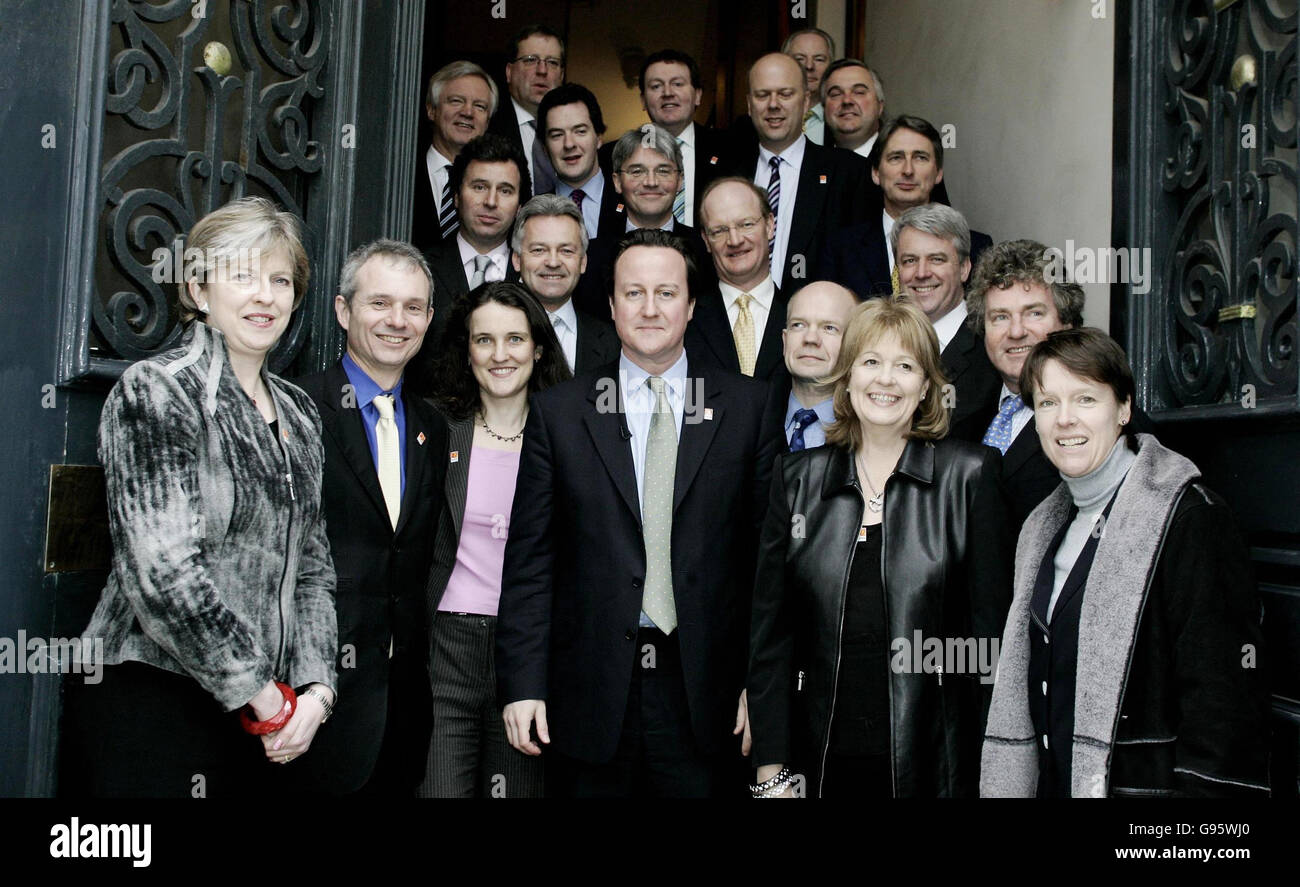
(622, 628)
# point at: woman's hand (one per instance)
(294, 738)
(268, 702)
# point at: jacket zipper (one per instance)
(839, 651)
(884, 597)
(288, 539)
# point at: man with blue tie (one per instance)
(816, 318)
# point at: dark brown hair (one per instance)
(1086, 352)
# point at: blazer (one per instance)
(709, 335)
(382, 571)
(592, 293)
(712, 158)
(832, 194)
(575, 560)
(975, 383)
(425, 232)
(505, 123)
(946, 573)
(598, 343)
(221, 567)
(858, 258)
(446, 541)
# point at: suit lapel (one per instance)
(1021, 449)
(711, 319)
(345, 423)
(700, 419)
(957, 356)
(417, 437)
(460, 440)
(814, 184)
(606, 425)
(771, 351)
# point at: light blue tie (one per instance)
(999, 433)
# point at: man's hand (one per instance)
(742, 724)
(519, 717)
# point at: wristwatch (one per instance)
(323, 699)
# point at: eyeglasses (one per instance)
(532, 61)
(637, 173)
(744, 228)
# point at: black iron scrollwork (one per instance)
(204, 139)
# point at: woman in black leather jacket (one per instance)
(883, 582)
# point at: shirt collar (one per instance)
(947, 326)
(825, 410)
(666, 226)
(1007, 392)
(521, 114)
(436, 158)
(568, 314)
(498, 255)
(634, 377)
(365, 388)
(594, 187)
(818, 111)
(763, 293)
(688, 135)
(792, 155)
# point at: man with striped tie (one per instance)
(460, 100)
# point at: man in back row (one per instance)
(535, 67)
(572, 124)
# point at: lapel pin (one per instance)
(420, 438)
(620, 208)
(713, 161)
(455, 455)
(822, 179)
(284, 433)
(708, 414)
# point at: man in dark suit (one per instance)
(630, 564)
(536, 66)
(907, 164)
(460, 99)
(1016, 302)
(933, 244)
(486, 179)
(381, 493)
(550, 254)
(816, 319)
(737, 323)
(571, 124)
(812, 190)
(646, 175)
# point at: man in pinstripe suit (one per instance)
(382, 497)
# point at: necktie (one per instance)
(679, 202)
(657, 511)
(390, 465)
(893, 279)
(802, 419)
(743, 333)
(773, 199)
(447, 220)
(480, 271)
(999, 433)
(578, 196)
(558, 324)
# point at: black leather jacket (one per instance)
(946, 563)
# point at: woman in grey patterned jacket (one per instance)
(221, 596)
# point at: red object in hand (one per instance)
(270, 725)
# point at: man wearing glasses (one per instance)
(536, 66)
(737, 324)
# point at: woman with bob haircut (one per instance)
(889, 537)
(217, 621)
(1130, 664)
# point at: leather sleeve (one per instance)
(771, 647)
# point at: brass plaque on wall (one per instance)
(76, 528)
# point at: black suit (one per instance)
(505, 123)
(425, 231)
(709, 335)
(712, 159)
(857, 257)
(592, 294)
(832, 194)
(975, 383)
(380, 598)
(597, 343)
(567, 629)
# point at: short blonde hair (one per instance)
(869, 322)
(250, 223)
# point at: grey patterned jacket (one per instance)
(221, 566)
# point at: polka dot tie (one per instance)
(999, 433)
(657, 511)
(802, 419)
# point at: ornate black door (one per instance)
(1206, 133)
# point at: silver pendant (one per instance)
(876, 502)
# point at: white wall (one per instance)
(1028, 86)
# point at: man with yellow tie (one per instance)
(737, 324)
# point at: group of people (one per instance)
(677, 467)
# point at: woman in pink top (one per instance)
(498, 349)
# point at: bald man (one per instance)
(814, 327)
(812, 190)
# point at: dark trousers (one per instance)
(468, 754)
(144, 732)
(399, 768)
(657, 754)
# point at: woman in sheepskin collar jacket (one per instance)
(221, 596)
(1131, 660)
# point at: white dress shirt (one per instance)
(887, 225)
(946, 327)
(565, 321)
(865, 148)
(760, 306)
(688, 172)
(439, 172)
(500, 257)
(639, 406)
(594, 188)
(815, 126)
(791, 163)
(527, 134)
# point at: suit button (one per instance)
(1044, 740)
(1044, 688)
(1046, 640)
(630, 635)
(636, 583)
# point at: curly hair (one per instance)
(1025, 262)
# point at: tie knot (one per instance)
(804, 418)
(481, 262)
(384, 404)
(1011, 405)
(656, 384)
(743, 300)
(557, 321)
(578, 196)
(775, 164)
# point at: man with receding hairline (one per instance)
(815, 322)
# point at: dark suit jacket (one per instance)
(382, 575)
(575, 560)
(713, 157)
(592, 294)
(459, 440)
(598, 343)
(504, 123)
(709, 335)
(975, 384)
(858, 258)
(832, 194)
(425, 233)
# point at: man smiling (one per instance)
(855, 102)
(571, 125)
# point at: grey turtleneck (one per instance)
(1090, 493)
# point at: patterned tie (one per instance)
(802, 419)
(480, 271)
(893, 279)
(999, 433)
(657, 511)
(679, 202)
(577, 197)
(448, 222)
(743, 333)
(390, 465)
(773, 199)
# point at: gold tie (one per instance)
(390, 464)
(743, 333)
(893, 279)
